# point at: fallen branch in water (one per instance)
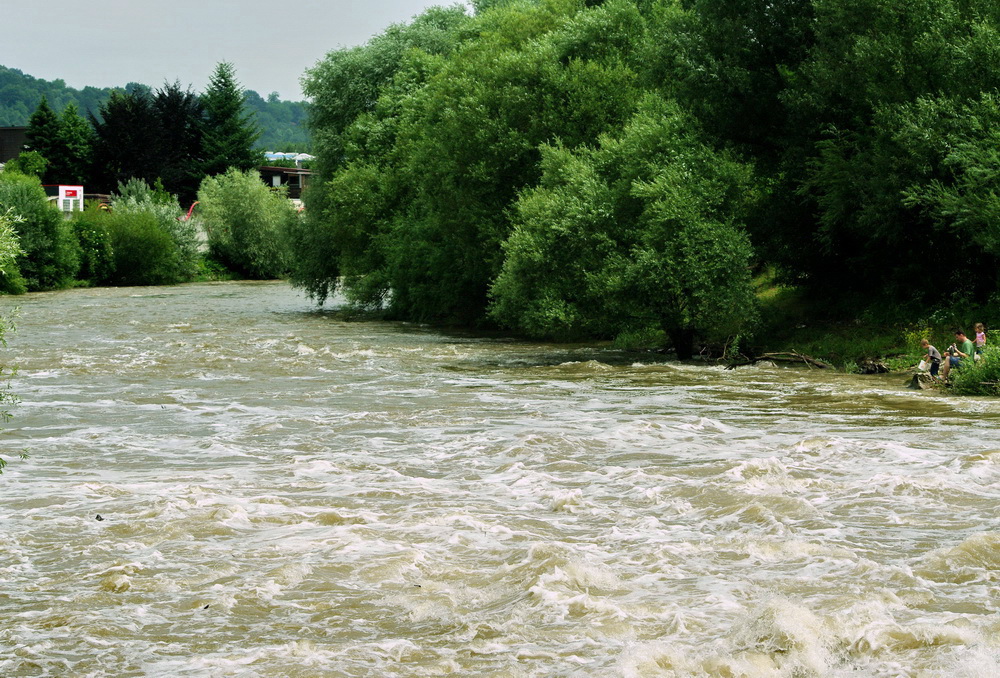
(782, 357)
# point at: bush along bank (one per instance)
(143, 237)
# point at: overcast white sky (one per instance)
(108, 43)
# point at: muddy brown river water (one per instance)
(284, 493)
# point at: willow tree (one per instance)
(455, 137)
(356, 98)
(644, 231)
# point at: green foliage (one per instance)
(349, 82)
(22, 94)
(230, 133)
(11, 281)
(149, 242)
(28, 162)
(639, 233)
(70, 158)
(43, 131)
(178, 139)
(981, 377)
(246, 223)
(51, 255)
(282, 122)
(97, 260)
(123, 147)
(502, 153)
(883, 95)
(138, 191)
(417, 181)
(64, 142)
(144, 253)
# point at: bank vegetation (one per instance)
(683, 172)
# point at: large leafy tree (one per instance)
(886, 91)
(417, 201)
(50, 254)
(71, 158)
(469, 141)
(229, 132)
(245, 221)
(641, 232)
(358, 95)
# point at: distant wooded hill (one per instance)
(282, 123)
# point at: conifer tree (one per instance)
(70, 160)
(179, 140)
(122, 140)
(229, 133)
(43, 130)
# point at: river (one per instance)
(284, 493)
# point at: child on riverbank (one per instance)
(933, 356)
(980, 340)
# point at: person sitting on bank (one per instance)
(961, 349)
(933, 356)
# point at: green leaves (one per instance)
(230, 132)
(246, 223)
(637, 233)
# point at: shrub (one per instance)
(11, 281)
(980, 377)
(136, 198)
(246, 223)
(97, 261)
(51, 254)
(144, 253)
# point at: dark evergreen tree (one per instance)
(43, 131)
(179, 140)
(230, 132)
(124, 143)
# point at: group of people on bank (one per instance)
(961, 350)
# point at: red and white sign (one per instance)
(70, 198)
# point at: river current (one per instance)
(283, 493)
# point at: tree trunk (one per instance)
(683, 341)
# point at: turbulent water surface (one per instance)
(286, 494)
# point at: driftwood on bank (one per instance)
(782, 357)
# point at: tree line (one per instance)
(172, 137)
(281, 123)
(151, 153)
(572, 168)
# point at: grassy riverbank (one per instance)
(851, 337)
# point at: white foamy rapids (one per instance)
(285, 494)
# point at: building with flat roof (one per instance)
(12, 142)
(295, 179)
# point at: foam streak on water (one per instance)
(287, 494)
